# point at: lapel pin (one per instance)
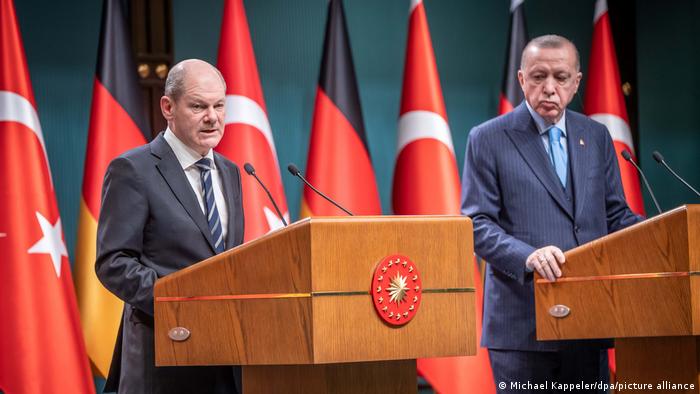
(580, 142)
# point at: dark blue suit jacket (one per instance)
(517, 204)
(151, 225)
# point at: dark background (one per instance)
(659, 40)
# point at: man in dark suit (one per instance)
(165, 206)
(537, 181)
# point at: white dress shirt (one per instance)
(187, 157)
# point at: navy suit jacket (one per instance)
(517, 204)
(151, 225)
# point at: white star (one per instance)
(51, 243)
(273, 221)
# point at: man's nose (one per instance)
(549, 86)
(210, 115)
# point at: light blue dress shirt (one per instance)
(543, 128)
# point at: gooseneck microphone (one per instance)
(251, 171)
(295, 171)
(627, 156)
(660, 159)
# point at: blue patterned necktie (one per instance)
(558, 154)
(213, 218)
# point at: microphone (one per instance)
(295, 171)
(660, 159)
(251, 171)
(627, 156)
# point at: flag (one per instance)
(339, 163)
(511, 93)
(117, 124)
(604, 102)
(426, 182)
(42, 348)
(248, 136)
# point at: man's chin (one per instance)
(551, 115)
(205, 145)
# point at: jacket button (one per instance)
(577, 229)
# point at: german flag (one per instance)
(117, 124)
(511, 93)
(339, 163)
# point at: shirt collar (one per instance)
(542, 126)
(185, 155)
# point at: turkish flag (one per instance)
(604, 102)
(42, 348)
(248, 135)
(339, 163)
(426, 182)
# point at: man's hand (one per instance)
(546, 261)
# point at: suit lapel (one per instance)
(578, 157)
(175, 177)
(527, 141)
(227, 180)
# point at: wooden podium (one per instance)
(295, 309)
(640, 286)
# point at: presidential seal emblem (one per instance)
(396, 289)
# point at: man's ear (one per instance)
(521, 79)
(579, 75)
(166, 107)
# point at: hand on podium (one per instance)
(546, 261)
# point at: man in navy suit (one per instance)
(165, 206)
(539, 180)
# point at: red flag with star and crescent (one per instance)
(248, 135)
(604, 103)
(426, 182)
(42, 348)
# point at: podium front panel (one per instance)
(302, 295)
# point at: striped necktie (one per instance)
(213, 218)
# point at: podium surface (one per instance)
(298, 303)
(641, 286)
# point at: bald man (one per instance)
(165, 206)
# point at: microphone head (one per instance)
(249, 168)
(293, 169)
(626, 155)
(657, 156)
